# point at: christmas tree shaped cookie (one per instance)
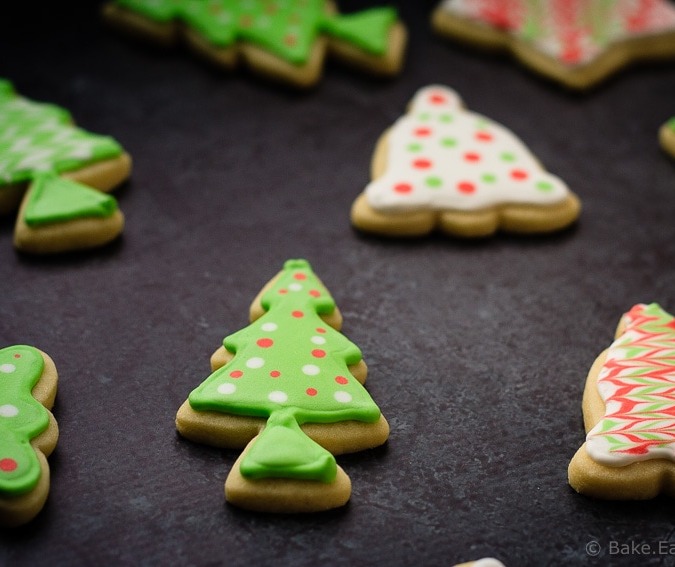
(288, 388)
(286, 40)
(41, 148)
(667, 137)
(576, 43)
(629, 412)
(28, 431)
(443, 167)
(58, 214)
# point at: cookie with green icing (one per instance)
(289, 388)
(28, 431)
(59, 215)
(41, 148)
(667, 137)
(286, 40)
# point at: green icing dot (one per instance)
(544, 185)
(508, 156)
(445, 118)
(433, 182)
(414, 147)
(424, 117)
(489, 178)
(448, 142)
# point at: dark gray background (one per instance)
(478, 352)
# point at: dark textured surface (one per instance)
(478, 352)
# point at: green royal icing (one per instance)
(54, 199)
(286, 28)
(289, 361)
(22, 418)
(40, 137)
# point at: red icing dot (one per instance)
(246, 21)
(320, 330)
(311, 391)
(519, 174)
(471, 156)
(271, 8)
(215, 9)
(275, 374)
(290, 40)
(403, 188)
(298, 314)
(283, 291)
(318, 353)
(422, 132)
(484, 136)
(300, 276)
(422, 163)
(466, 187)
(236, 374)
(265, 343)
(314, 292)
(437, 99)
(341, 380)
(8, 465)
(17, 355)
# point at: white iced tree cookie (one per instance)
(442, 166)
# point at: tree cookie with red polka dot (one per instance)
(288, 388)
(667, 137)
(286, 40)
(28, 431)
(576, 43)
(442, 167)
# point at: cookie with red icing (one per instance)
(575, 43)
(442, 167)
(286, 40)
(667, 136)
(28, 431)
(288, 389)
(629, 412)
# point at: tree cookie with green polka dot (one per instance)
(667, 137)
(286, 40)
(442, 167)
(289, 390)
(28, 432)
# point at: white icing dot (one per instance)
(295, 286)
(269, 327)
(255, 362)
(277, 396)
(318, 340)
(8, 410)
(310, 369)
(227, 388)
(7, 368)
(342, 396)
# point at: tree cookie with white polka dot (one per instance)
(28, 432)
(442, 167)
(667, 137)
(285, 40)
(288, 388)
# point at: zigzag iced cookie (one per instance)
(576, 43)
(667, 136)
(41, 149)
(446, 168)
(629, 412)
(288, 388)
(28, 432)
(286, 40)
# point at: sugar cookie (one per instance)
(286, 40)
(576, 43)
(446, 168)
(28, 431)
(288, 388)
(629, 412)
